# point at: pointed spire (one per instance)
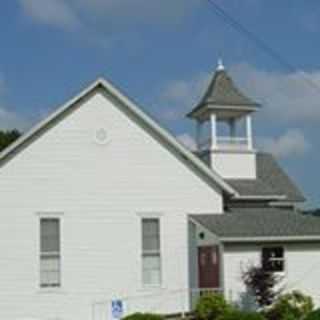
(223, 93)
(220, 66)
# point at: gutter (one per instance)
(270, 239)
(253, 197)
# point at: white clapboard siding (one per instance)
(100, 191)
(302, 268)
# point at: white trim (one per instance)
(57, 290)
(275, 245)
(213, 133)
(252, 197)
(50, 215)
(160, 284)
(238, 108)
(192, 220)
(162, 133)
(224, 150)
(291, 203)
(275, 239)
(98, 140)
(150, 214)
(249, 131)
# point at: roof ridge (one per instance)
(137, 112)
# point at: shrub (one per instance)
(210, 306)
(314, 315)
(143, 316)
(241, 315)
(261, 284)
(291, 306)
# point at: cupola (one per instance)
(224, 128)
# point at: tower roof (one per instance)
(222, 93)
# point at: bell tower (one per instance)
(224, 128)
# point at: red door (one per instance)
(208, 261)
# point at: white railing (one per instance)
(225, 143)
(232, 143)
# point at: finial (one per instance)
(220, 66)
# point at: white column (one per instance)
(213, 125)
(198, 134)
(249, 131)
(232, 125)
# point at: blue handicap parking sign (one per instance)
(117, 309)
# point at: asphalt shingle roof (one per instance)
(223, 92)
(271, 180)
(260, 222)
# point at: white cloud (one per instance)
(9, 119)
(56, 13)
(127, 11)
(182, 95)
(105, 17)
(187, 140)
(291, 143)
(285, 97)
(289, 97)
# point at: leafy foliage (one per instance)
(7, 137)
(291, 306)
(314, 315)
(211, 306)
(261, 284)
(143, 316)
(241, 315)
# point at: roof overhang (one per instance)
(222, 111)
(259, 198)
(258, 225)
(210, 175)
(263, 239)
(273, 239)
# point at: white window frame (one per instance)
(154, 216)
(283, 259)
(50, 215)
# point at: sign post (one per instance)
(117, 309)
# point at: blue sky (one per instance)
(162, 53)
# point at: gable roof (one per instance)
(147, 122)
(271, 180)
(222, 92)
(261, 224)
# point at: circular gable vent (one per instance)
(101, 136)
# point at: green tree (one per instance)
(7, 137)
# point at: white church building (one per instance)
(102, 207)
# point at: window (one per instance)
(151, 258)
(49, 252)
(273, 259)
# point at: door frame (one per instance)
(216, 247)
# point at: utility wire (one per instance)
(262, 45)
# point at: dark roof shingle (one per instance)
(260, 223)
(222, 92)
(271, 181)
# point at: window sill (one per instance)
(57, 290)
(152, 288)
